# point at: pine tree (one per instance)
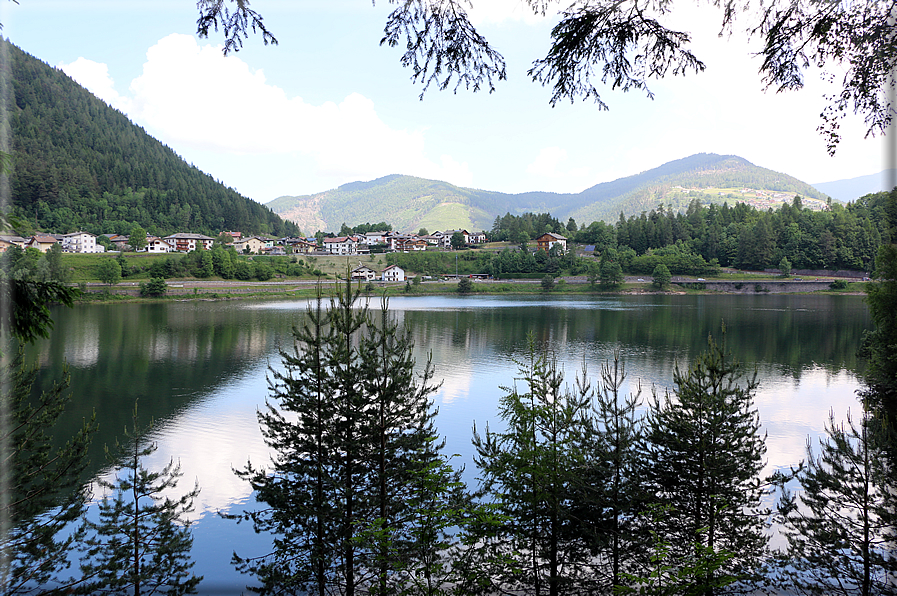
(705, 454)
(616, 492)
(841, 528)
(350, 423)
(530, 471)
(142, 540)
(41, 493)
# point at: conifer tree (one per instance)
(141, 543)
(530, 471)
(350, 423)
(705, 453)
(841, 528)
(616, 495)
(42, 493)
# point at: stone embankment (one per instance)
(758, 287)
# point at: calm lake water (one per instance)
(199, 371)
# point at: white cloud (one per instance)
(190, 96)
(549, 164)
(94, 76)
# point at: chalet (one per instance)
(154, 244)
(409, 244)
(42, 242)
(393, 273)
(251, 245)
(374, 238)
(8, 240)
(120, 241)
(446, 241)
(476, 238)
(81, 242)
(549, 240)
(365, 273)
(341, 245)
(185, 242)
(300, 244)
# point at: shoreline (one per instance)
(215, 290)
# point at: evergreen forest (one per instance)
(79, 164)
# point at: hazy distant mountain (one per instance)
(409, 203)
(854, 188)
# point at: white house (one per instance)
(549, 240)
(341, 245)
(446, 240)
(374, 237)
(393, 273)
(155, 244)
(81, 242)
(184, 242)
(365, 273)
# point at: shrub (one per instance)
(154, 287)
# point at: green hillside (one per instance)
(81, 165)
(410, 203)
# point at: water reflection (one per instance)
(199, 369)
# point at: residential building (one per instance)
(341, 245)
(364, 272)
(42, 242)
(8, 240)
(549, 240)
(393, 273)
(253, 245)
(81, 242)
(186, 242)
(476, 238)
(154, 244)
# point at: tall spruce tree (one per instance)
(42, 494)
(530, 472)
(617, 495)
(841, 527)
(704, 454)
(350, 422)
(141, 543)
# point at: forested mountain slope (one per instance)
(410, 202)
(81, 165)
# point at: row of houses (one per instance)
(391, 273)
(396, 242)
(84, 242)
(81, 242)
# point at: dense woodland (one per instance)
(842, 237)
(81, 165)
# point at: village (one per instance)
(359, 244)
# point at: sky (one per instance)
(329, 105)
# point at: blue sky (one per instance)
(329, 105)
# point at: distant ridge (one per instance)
(410, 203)
(853, 188)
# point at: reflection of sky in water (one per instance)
(219, 430)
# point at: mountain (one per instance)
(80, 165)
(409, 203)
(852, 188)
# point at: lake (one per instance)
(199, 372)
